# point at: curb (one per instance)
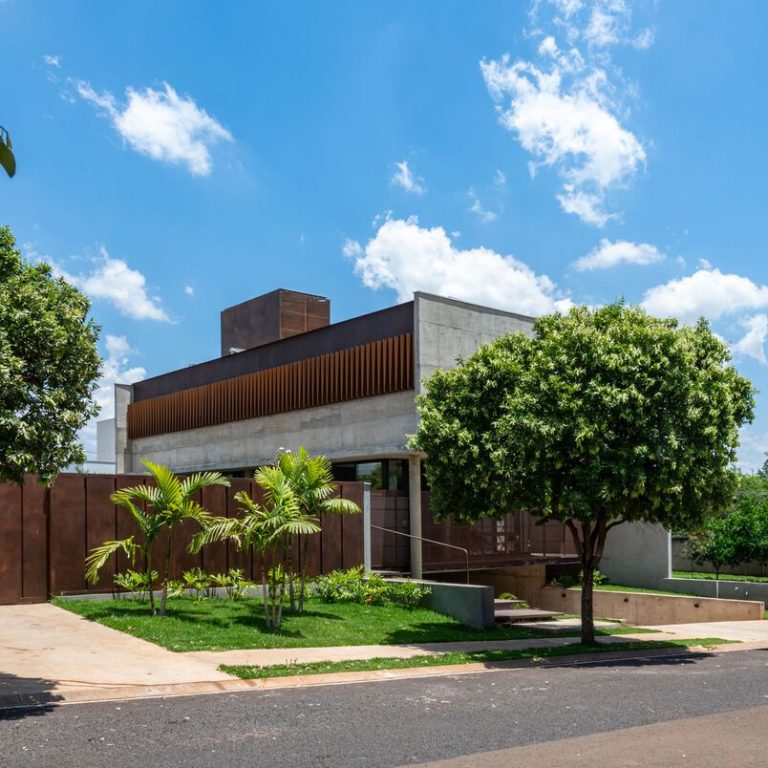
(91, 695)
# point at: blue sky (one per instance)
(177, 158)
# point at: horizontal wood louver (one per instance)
(377, 368)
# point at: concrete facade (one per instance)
(447, 329)
(369, 428)
(637, 555)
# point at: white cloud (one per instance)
(753, 449)
(115, 370)
(500, 179)
(564, 108)
(162, 125)
(708, 293)
(609, 254)
(404, 178)
(406, 257)
(114, 281)
(52, 61)
(478, 209)
(753, 342)
(189, 289)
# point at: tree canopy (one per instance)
(599, 417)
(49, 364)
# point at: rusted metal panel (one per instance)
(34, 554)
(214, 556)
(67, 535)
(352, 527)
(331, 542)
(10, 543)
(101, 524)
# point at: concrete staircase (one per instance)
(511, 612)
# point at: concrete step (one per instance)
(510, 615)
(500, 605)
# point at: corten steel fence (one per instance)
(45, 534)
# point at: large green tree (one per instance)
(598, 418)
(49, 364)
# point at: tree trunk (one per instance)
(148, 573)
(303, 571)
(587, 613)
(166, 572)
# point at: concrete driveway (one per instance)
(739, 631)
(45, 650)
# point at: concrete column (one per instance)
(367, 559)
(414, 486)
(123, 458)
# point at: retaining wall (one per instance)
(644, 608)
(471, 604)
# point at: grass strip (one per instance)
(723, 577)
(455, 657)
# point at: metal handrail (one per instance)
(429, 541)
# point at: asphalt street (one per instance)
(403, 722)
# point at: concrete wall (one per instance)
(356, 429)
(649, 609)
(728, 590)
(469, 603)
(637, 555)
(447, 329)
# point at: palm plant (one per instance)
(168, 503)
(311, 478)
(268, 530)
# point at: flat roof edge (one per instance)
(470, 305)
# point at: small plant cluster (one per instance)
(355, 586)
(510, 596)
(136, 584)
(196, 581)
(567, 580)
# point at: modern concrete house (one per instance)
(287, 376)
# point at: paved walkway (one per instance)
(47, 649)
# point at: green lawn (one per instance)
(222, 625)
(711, 577)
(442, 659)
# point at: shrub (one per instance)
(198, 581)
(355, 586)
(233, 581)
(566, 580)
(138, 584)
(409, 594)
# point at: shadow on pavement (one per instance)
(22, 697)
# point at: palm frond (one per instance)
(340, 507)
(123, 499)
(194, 483)
(168, 484)
(99, 556)
(217, 529)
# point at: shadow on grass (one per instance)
(22, 697)
(438, 632)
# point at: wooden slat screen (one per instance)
(377, 368)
